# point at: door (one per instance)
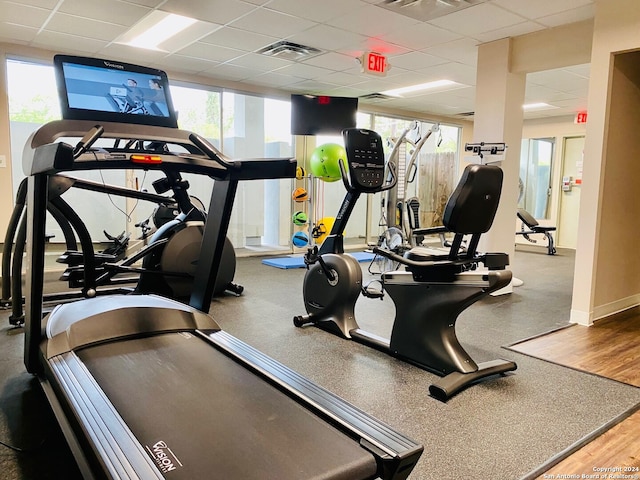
(571, 181)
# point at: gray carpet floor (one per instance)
(502, 428)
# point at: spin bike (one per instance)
(432, 291)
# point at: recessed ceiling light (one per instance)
(438, 84)
(155, 29)
(538, 106)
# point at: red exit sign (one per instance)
(581, 117)
(374, 63)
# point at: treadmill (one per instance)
(145, 387)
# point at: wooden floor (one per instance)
(610, 348)
(617, 447)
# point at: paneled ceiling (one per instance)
(424, 40)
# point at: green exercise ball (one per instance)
(324, 161)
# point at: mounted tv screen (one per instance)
(314, 115)
(103, 90)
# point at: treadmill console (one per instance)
(365, 157)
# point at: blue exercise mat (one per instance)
(297, 261)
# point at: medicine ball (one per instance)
(299, 239)
(324, 161)
(300, 194)
(300, 218)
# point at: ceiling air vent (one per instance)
(375, 96)
(289, 51)
(425, 10)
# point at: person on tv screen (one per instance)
(156, 102)
(157, 95)
(136, 92)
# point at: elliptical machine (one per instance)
(169, 259)
(433, 291)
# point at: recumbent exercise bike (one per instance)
(433, 290)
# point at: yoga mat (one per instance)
(297, 261)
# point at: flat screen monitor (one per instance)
(313, 115)
(103, 90)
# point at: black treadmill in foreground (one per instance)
(146, 387)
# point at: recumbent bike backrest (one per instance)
(472, 206)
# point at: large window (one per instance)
(33, 101)
(255, 127)
(241, 126)
(427, 173)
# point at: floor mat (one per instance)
(297, 261)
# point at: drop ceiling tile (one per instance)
(146, 3)
(374, 84)
(107, 11)
(539, 93)
(420, 35)
(268, 21)
(256, 2)
(187, 64)
(347, 92)
(259, 62)
(210, 52)
(327, 38)
(574, 104)
(302, 71)
(17, 33)
(374, 44)
(373, 21)
(312, 87)
(456, 72)
(580, 70)
(571, 16)
(340, 78)
(188, 36)
(139, 56)
(67, 43)
(406, 78)
(557, 79)
(215, 11)
(85, 27)
(226, 71)
(239, 39)
(463, 51)
(49, 4)
(512, 31)
(415, 60)
(477, 19)
(23, 14)
(540, 8)
(313, 9)
(274, 79)
(332, 61)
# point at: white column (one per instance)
(498, 118)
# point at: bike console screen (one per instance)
(365, 156)
(103, 90)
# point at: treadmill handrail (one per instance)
(202, 157)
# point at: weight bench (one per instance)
(530, 226)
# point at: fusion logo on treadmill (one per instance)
(164, 457)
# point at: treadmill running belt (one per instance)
(199, 414)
